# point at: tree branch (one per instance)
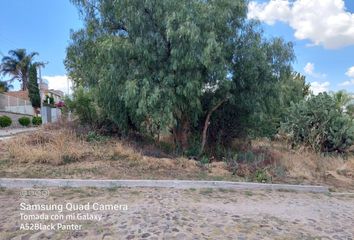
(206, 124)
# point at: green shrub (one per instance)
(261, 176)
(24, 121)
(231, 160)
(204, 160)
(193, 149)
(37, 121)
(83, 106)
(166, 147)
(67, 158)
(5, 121)
(320, 124)
(92, 136)
(48, 100)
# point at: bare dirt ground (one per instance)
(189, 214)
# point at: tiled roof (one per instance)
(19, 94)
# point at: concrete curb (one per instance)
(12, 134)
(179, 184)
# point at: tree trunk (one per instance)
(206, 125)
(181, 133)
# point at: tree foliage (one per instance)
(17, 65)
(263, 86)
(319, 123)
(5, 86)
(82, 105)
(344, 101)
(181, 66)
(33, 89)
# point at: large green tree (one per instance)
(175, 65)
(17, 65)
(152, 60)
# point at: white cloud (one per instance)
(317, 87)
(59, 82)
(310, 70)
(346, 83)
(323, 22)
(350, 72)
(276, 10)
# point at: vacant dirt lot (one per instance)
(190, 214)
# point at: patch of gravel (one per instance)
(193, 214)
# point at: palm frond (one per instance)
(17, 65)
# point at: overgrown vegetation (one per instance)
(160, 68)
(158, 75)
(54, 148)
(319, 123)
(76, 153)
(83, 105)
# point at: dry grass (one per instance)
(54, 148)
(307, 166)
(35, 154)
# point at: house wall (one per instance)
(15, 104)
(50, 115)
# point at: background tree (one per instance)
(33, 89)
(5, 86)
(17, 65)
(344, 101)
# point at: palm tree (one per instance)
(17, 65)
(5, 86)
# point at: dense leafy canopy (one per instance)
(173, 65)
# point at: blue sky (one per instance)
(323, 34)
(42, 26)
(330, 65)
(324, 42)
